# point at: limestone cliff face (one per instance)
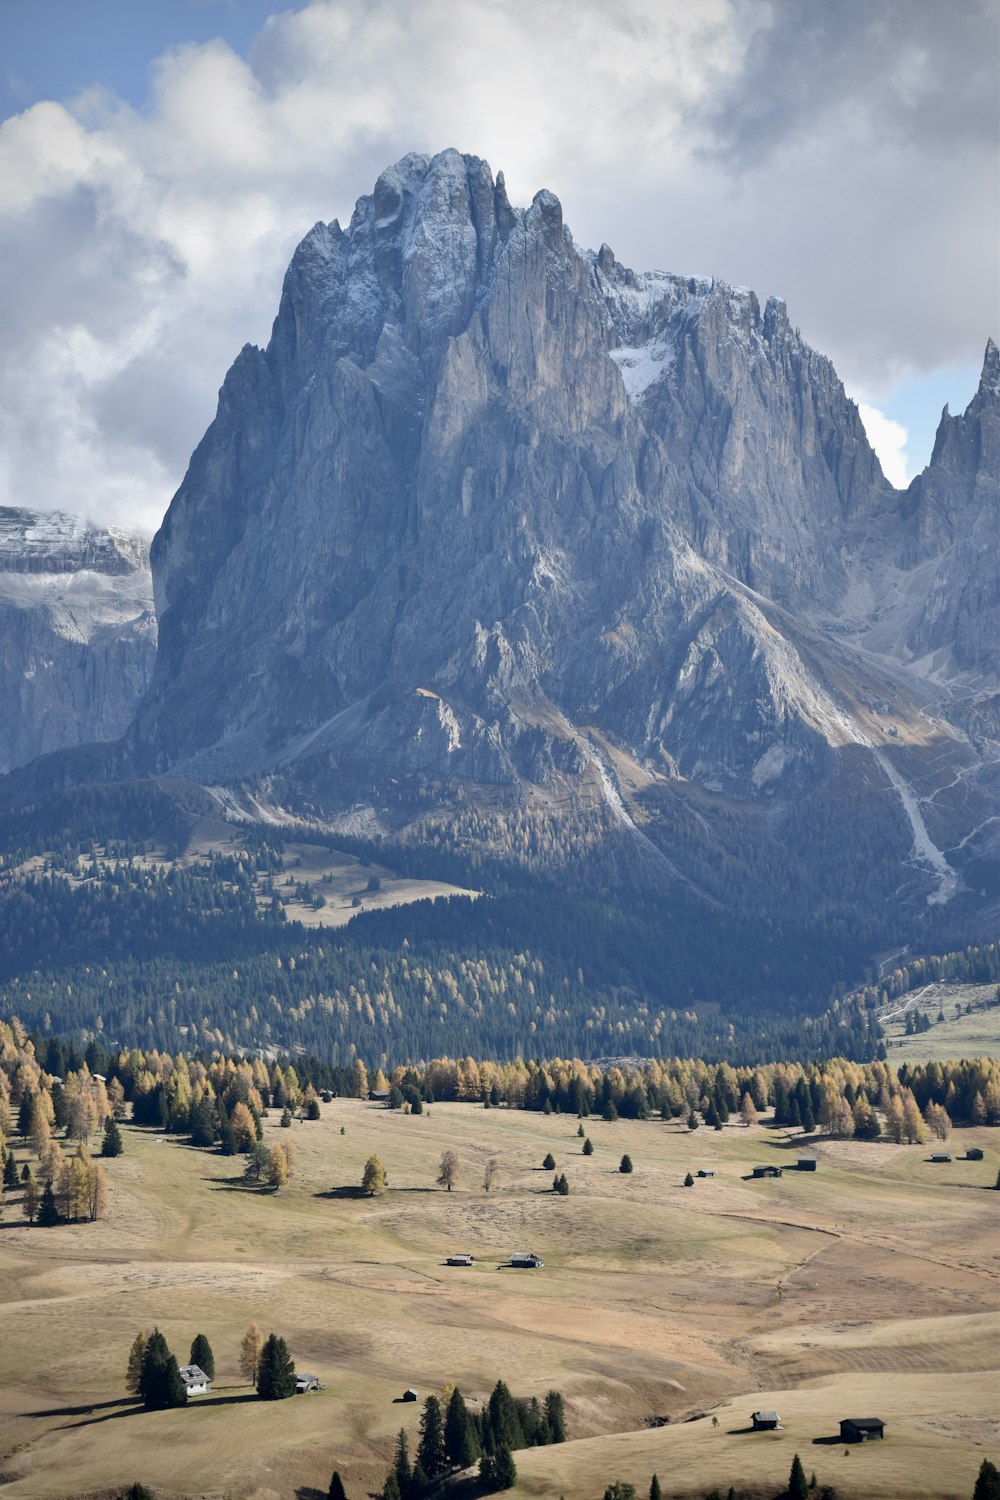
(488, 505)
(479, 476)
(77, 633)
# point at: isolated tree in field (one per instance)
(748, 1110)
(588, 1147)
(275, 1370)
(448, 1170)
(374, 1178)
(579, 1130)
(461, 1445)
(336, 1490)
(202, 1356)
(688, 1180)
(48, 1213)
(798, 1486)
(250, 1347)
(431, 1454)
(620, 1491)
(987, 1482)
(560, 1185)
(112, 1142)
(625, 1165)
(133, 1370)
(655, 1493)
(491, 1172)
(160, 1383)
(137, 1491)
(549, 1163)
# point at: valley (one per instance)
(866, 1288)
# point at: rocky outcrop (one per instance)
(77, 632)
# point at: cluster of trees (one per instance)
(975, 964)
(453, 1437)
(153, 1373)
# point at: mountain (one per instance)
(513, 557)
(77, 632)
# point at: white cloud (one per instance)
(143, 248)
(889, 439)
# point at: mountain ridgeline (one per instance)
(534, 566)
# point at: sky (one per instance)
(159, 162)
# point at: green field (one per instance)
(868, 1288)
(975, 1035)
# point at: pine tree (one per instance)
(10, 1171)
(798, 1488)
(390, 1490)
(588, 1147)
(504, 1468)
(160, 1383)
(625, 1165)
(337, 1491)
(112, 1143)
(48, 1213)
(620, 1490)
(579, 1130)
(275, 1371)
(504, 1422)
(401, 1465)
(987, 1482)
(133, 1371)
(460, 1442)
(555, 1417)
(250, 1347)
(688, 1180)
(431, 1455)
(655, 1493)
(549, 1163)
(202, 1356)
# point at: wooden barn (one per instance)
(765, 1421)
(806, 1163)
(861, 1429)
(767, 1171)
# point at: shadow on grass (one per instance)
(134, 1408)
(835, 1441)
(345, 1192)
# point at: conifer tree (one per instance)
(504, 1468)
(431, 1455)
(688, 1180)
(374, 1179)
(460, 1442)
(549, 1163)
(987, 1482)
(336, 1490)
(112, 1142)
(555, 1417)
(448, 1171)
(504, 1422)
(133, 1371)
(30, 1204)
(588, 1147)
(275, 1370)
(798, 1488)
(625, 1165)
(10, 1171)
(160, 1383)
(250, 1347)
(401, 1465)
(48, 1213)
(391, 1490)
(655, 1493)
(202, 1356)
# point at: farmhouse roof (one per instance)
(193, 1375)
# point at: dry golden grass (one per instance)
(868, 1288)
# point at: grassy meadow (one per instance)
(866, 1289)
